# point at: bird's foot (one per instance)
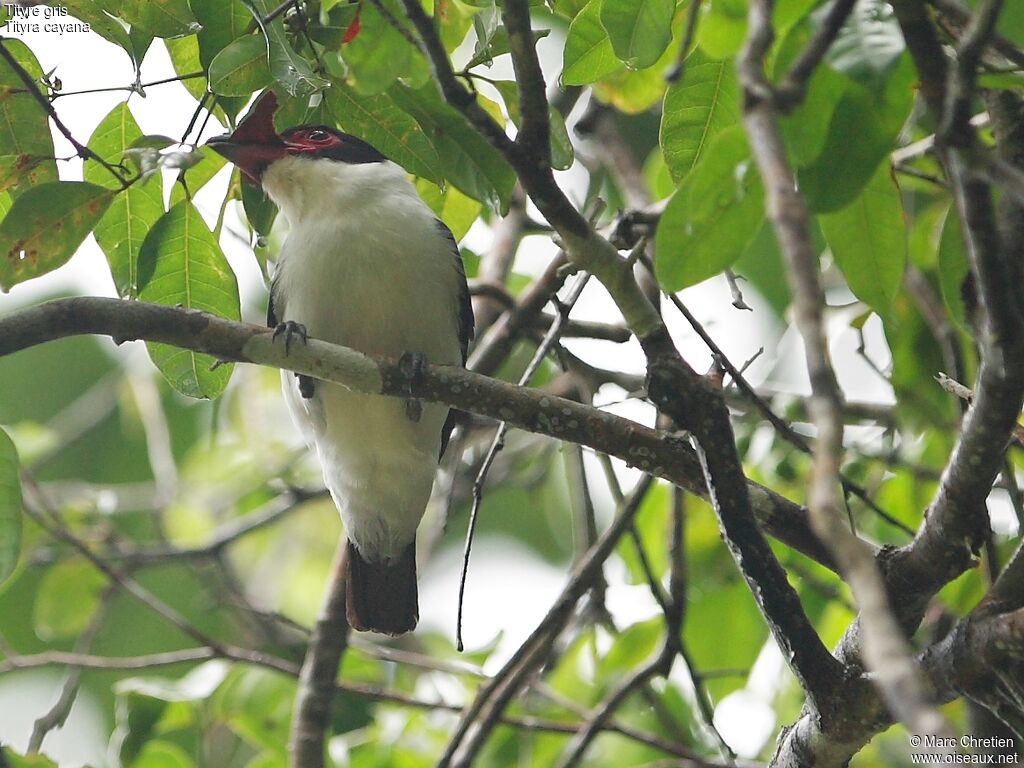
(413, 409)
(412, 364)
(305, 385)
(290, 329)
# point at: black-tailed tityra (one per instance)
(368, 265)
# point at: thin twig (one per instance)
(675, 74)
(83, 151)
(134, 88)
(57, 714)
(550, 339)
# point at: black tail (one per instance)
(381, 597)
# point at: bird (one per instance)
(368, 265)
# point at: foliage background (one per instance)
(146, 478)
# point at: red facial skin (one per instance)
(255, 144)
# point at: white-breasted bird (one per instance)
(366, 264)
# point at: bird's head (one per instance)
(255, 144)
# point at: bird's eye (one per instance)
(318, 135)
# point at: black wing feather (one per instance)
(466, 324)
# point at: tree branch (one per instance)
(649, 450)
(886, 651)
(315, 695)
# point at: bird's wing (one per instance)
(465, 309)
(466, 324)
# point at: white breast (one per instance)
(366, 265)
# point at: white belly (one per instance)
(381, 291)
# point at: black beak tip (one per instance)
(222, 139)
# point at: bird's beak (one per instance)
(254, 145)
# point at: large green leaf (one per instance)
(639, 30)
(66, 599)
(161, 18)
(181, 264)
(588, 54)
(696, 109)
(868, 239)
(713, 215)
(24, 128)
(132, 213)
(469, 162)
(291, 71)
(10, 507)
(241, 68)
(46, 225)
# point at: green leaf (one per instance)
(46, 225)
(223, 22)
(562, 152)
(953, 269)
(259, 209)
(66, 599)
(290, 70)
(241, 68)
(635, 645)
(161, 18)
(10, 759)
(861, 134)
(588, 54)
(806, 128)
(723, 28)
(10, 507)
(380, 121)
(257, 705)
(197, 175)
(162, 754)
(101, 23)
(18, 169)
(498, 45)
(868, 239)
(24, 127)
(696, 109)
(639, 30)
(868, 44)
(184, 53)
(469, 162)
(133, 212)
(713, 215)
(181, 264)
(380, 54)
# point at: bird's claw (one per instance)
(289, 329)
(412, 364)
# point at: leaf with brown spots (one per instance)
(21, 169)
(46, 225)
